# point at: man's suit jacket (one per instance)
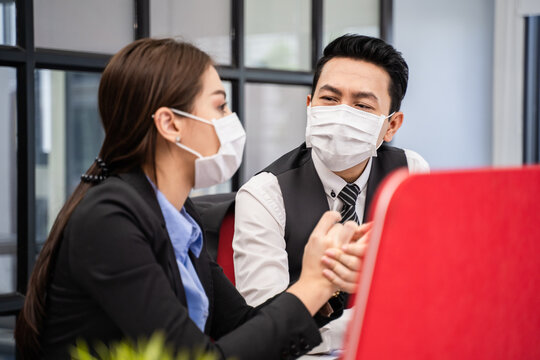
(116, 276)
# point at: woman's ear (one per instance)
(167, 125)
(395, 123)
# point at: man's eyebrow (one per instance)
(331, 89)
(364, 95)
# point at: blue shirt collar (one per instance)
(184, 232)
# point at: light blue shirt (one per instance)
(186, 236)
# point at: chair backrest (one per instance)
(225, 250)
(452, 270)
(217, 216)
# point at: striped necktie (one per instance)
(348, 195)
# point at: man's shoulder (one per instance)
(415, 162)
(260, 182)
(260, 194)
(387, 149)
(265, 186)
(291, 160)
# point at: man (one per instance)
(353, 108)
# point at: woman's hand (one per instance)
(343, 263)
(314, 288)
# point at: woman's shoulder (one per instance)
(128, 188)
(113, 187)
(117, 198)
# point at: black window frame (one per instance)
(531, 91)
(26, 59)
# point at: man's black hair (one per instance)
(374, 51)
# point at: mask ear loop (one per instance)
(182, 146)
(177, 139)
(389, 116)
(384, 118)
(188, 115)
(185, 114)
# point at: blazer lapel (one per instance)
(138, 180)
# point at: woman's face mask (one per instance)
(220, 167)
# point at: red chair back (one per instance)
(452, 270)
(225, 250)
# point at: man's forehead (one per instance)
(339, 72)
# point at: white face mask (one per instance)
(342, 136)
(220, 167)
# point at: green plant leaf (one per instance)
(154, 348)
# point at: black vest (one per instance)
(304, 197)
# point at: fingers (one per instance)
(341, 270)
(345, 245)
(341, 234)
(347, 265)
(343, 265)
(338, 282)
(327, 221)
(351, 257)
(357, 248)
(362, 231)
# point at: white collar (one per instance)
(332, 183)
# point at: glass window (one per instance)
(350, 16)
(7, 22)
(226, 186)
(206, 23)
(275, 123)
(8, 180)
(101, 26)
(68, 138)
(282, 40)
(7, 342)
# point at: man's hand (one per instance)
(313, 288)
(343, 263)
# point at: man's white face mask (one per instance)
(342, 136)
(220, 167)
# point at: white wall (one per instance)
(449, 48)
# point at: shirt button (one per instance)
(294, 349)
(333, 194)
(303, 343)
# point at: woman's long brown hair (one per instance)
(142, 77)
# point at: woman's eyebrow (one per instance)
(219, 92)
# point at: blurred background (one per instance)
(473, 97)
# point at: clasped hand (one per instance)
(339, 248)
(332, 260)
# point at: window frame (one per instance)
(531, 92)
(26, 59)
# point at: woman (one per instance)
(125, 256)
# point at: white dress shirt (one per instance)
(260, 257)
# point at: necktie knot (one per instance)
(348, 195)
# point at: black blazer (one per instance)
(116, 276)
